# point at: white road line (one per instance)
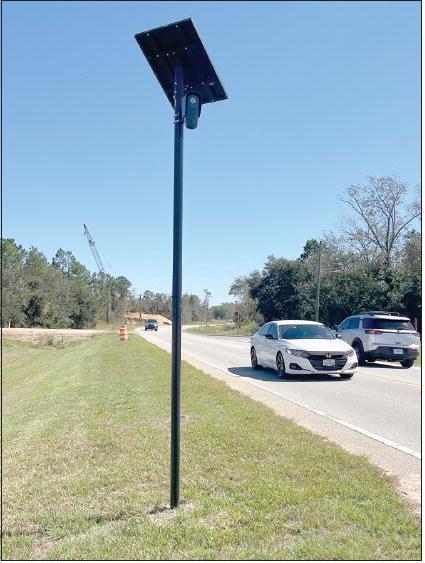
(321, 413)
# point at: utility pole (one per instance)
(319, 273)
(206, 302)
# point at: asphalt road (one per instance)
(377, 413)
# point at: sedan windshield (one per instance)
(296, 332)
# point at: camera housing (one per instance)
(193, 106)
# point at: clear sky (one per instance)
(321, 96)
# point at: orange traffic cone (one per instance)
(123, 332)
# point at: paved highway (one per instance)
(377, 413)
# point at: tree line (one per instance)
(373, 263)
(61, 293)
(194, 308)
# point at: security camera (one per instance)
(193, 110)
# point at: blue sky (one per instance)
(321, 96)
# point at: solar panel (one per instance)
(179, 44)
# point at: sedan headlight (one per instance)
(301, 353)
(351, 353)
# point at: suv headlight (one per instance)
(301, 353)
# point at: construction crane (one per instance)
(94, 250)
(104, 282)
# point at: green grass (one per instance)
(225, 329)
(86, 434)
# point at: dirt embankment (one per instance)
(140, 318)
(53, 335)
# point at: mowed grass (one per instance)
(224, 329)
(86, 434)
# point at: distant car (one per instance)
(151, 324)
(380, 335)
(301, 348)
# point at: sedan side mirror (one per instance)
(270, 336)
(338, 335)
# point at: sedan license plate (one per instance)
(328, 362)
(398, 351)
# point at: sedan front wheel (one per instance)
(254, 362)
(346, 375)
(280, 366)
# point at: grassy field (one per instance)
(224, 329)
(86, 468)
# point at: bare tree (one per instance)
(382, 217)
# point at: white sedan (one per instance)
(301, 348)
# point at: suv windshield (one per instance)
(389, 324)
(296, 332)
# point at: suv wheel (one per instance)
(358, 348)
(407, 363)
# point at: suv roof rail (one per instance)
(379, 313)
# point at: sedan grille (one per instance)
(316, 361)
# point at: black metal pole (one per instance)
(177, 286)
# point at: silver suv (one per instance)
(380, 335)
